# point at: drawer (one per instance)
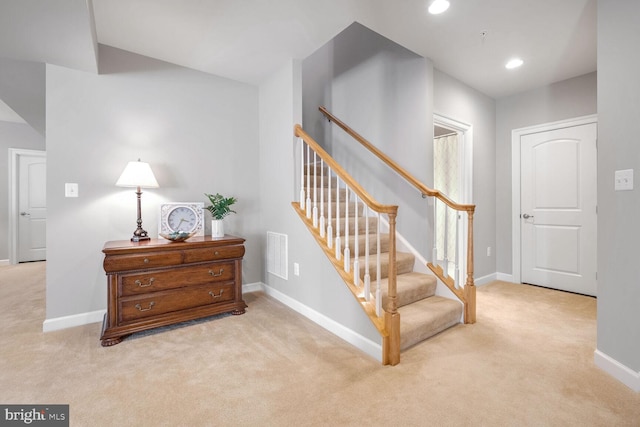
(138, 283)
(213, 253)
(142, 261)
(142, 307)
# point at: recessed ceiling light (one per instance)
(438, 6)
(514, 63)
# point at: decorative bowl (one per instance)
(177, 236)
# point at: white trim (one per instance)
(74, 320)
(466, 194)
(4, 262)
(465, 176)
(253, 287)
(617, 370)
(14, 158)
(479, 281)
(369, 347)
(504, 277)
(516, 134)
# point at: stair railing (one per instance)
(334, 234)
(466, 293)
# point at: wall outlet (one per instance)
(488, 250)
(296, 269)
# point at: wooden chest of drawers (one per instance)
(158, 283)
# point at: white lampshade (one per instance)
(137, 174)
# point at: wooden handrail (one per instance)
(353, 185)
(397, 168)
(468, 294)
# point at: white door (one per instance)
(558, 208)
(32, 208)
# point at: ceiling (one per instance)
(246, 40)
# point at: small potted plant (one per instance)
(220, 207)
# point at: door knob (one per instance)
(24, 213)
(527, 216)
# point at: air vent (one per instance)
(277, 255)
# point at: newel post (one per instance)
(391, 343)
(469, 287)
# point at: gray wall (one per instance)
(12, 135)
(563, 100)
(22, 87)
(198, 132)
(384, 92)
(618, 148)
(318, 286)
(458, 101)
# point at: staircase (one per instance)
(358, 235)
(422, 313)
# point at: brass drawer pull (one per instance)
(139, 307)
(139, 283)
(216, 253)
(218, 274)
(146, 261)
(216, 296)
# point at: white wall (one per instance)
(198, 132)
(12, 135)
(458, 101)
(618, 148)
(562, 100)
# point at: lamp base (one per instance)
(140, 239)
(140, 234)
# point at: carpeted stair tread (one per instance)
(424, 319)
(384, 244)
(404, 264)
(362, 224)
(410, 287)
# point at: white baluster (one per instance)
(329, 226)
(315, 190)
(378, 295)
(445, 242)
(308, 201)
(457, 273)
(338, 243)
(322, 198)
(435, 232)
(356, 247)
(347, 252)
(302, 195)
(367, 276)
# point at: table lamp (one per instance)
(138, 174)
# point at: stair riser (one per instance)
(373, 247)
(341, 197)
(343, 207)
(362, 225)
(403, 266)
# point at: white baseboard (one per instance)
(479, 281)
(617, 370)
(65, 322)
(366, 345)
(505, 277)
(4, 262)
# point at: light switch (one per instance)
(70, 189)
(624, 180)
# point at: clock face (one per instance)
(182, 218)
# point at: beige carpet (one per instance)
(527, 362)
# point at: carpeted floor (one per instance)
(527, 362)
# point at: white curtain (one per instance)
(445, 154)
